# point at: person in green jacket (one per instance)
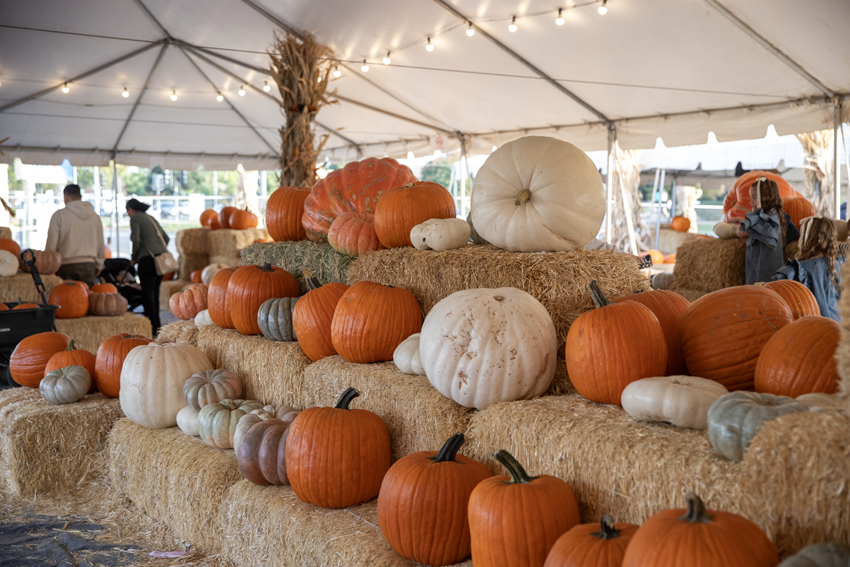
(149, 241)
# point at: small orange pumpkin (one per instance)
(207, 216)
(196, 277)
(241, 220)
(225, 215)
(313, 316)
(670, 258)
(680, 224)
(401, 209)
(656, 256)
(72, 299)
(217, 302)
(104, 288)
(72, 356)
(284, 210)
(11, 246)
(250, 286)
(186, 304)
(25, 306)
(592, 545)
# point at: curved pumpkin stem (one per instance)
(607, 530)
(518, 474)
(311, 280)
(599, 299)
(346, 397)
(266, 267)
(696, 514)
(522, 197)
(450, 449)
(71, 345)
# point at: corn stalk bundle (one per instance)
(818, 176)
(627, 199)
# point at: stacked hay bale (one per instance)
(842, 354)
(192, 251)
(89, 332)
(325, 263)
(669, 240)
(20, 286)
(226, 245)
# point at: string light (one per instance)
(470, 31)
(337, 72)
(429, 46)
(494, 149)
(219, 98)
(387, 59)
(125, 93)
(364, 67)
(173, 95)
(65, 88)
(512, 27)
(266, 86)
(241, 90)
(560, 19)
(603, 9)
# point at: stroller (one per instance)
(121, 273)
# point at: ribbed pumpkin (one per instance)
(188, 303)
(515, 520)
(401, 209)
(241, 220)
(11, 246)
(798, 297)
(422, 506)
(284, 413)
(250, 286)
(800, 359)
(723, 333)
(667, 306)
(224, 216)
(737, 201)
(65, 385)
(592, 545)
(83, 285)
(103, 288)
(798, 208)
(73, 301)
(109, 360)
(107, 304)
(680, 224)
(217, 421)
(72, 356)
(696, 536)
(30, 357)
(283, 214)
(261, 452)
(612, 346)
(275, 318)
(313, 316)
(217, 301)
(357, 188)
(354, 234)
(207, 216)
(371, 320)
(46, 262)
(211, 386)
(337, 457)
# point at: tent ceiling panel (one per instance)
(118, 18)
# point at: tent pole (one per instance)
(609, 190)
(628, 208)
(115, 207)
(673, 196)
(836, 163)
(653, 208)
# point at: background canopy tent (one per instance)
(648, 68)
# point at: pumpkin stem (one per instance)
(599, 300)
(266, 267)
(346, 397)
(522, 197)
(606, 529)
(71, 345)
(311, 280)
(450, 449)
(518, 474)
(696, 513)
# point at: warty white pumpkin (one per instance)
(680, 400)
(406, 356)
(440, 234)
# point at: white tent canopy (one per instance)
(675, 69)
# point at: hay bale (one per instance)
(167, 289)
(324, 262)
(559, 280)
(174, 478)
(669, 240)
(226, 260)
(229, 243)
(47, 449)
(193, 241)
(89, 332)
(178, 332)
(842, 353)
(189, 263)
(5, 232)
(632, 470)
(21, 286)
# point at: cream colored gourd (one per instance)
(217, 422)
(819, 400)
(8, 264)
(152, 379)
(726, 230)
(538, 194)
(65, 385)
(406, 356)
(210, 271)
(440, 234)
(211, 386)
(483, 346)
(203, 318)
(187, 421)
(246, 422)
(680, 400)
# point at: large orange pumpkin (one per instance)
(800, 359)
(30, 357)
(737, 202)
(723, 333)
(357, 188)
(592, 545)
(354, 234)
(680, 224)
(240, 220)
(11, 246)
(72, 356)
(313, 315)
(104, 288)
(613, 345)
(696, 536)
(798, 208)
(798, 297)
(667, 306)
(337, 457)
(401, 209)
(217, 302)
(188, 303)
(46, 262)
(283, 214)
(207, 216)
(224, 216)
(72, 299)
(110, 358)
(515, 520)
(250, 286)
(422, 506)
(371, 320)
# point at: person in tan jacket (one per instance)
(77, 234)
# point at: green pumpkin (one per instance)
(474, 236)
(820, 555)
(217, 422)
(275, 318)
(65, 385)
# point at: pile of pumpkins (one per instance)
(47, 262)
(75, 299)
(229, 217)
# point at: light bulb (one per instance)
(387, 59)
(241, 90)
(125, 93)
(337, 72)
(469, 31)
(560, 19)
(603, 9)
(429, 46)
(219, 98)
(364, 67)
(65, 88)
(319, 79)
(494, 149)
(512, 27)
(173, 95)
(266, 86)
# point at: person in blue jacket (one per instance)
(817, 265)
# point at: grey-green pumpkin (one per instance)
(248, 421)
(734, 419)
(275, 318)
(65, 385)
(217, 422)
(820, 555)
(210, 386)
(474, 236)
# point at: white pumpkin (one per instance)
(187, 421)
(210, 271)
(217, 422)
(203, 318)
(483, 346)
(406, 356)
(65, 385)
(152, 381)
(680, 400)
(8, 264)
(538, 194)
(819, 400)
(440, 234)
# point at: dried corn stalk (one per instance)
(818, 177)
(626, 180)
(300, 68)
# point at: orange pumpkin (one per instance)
(354, 234)
(72, 299)
(422, 506)
(104, 288)
(215, 223)
(503, 509)
(313, 315)
(670, 259)
(83, 285)
(107, 253)
(613, 345)
(32, 354)
(592, 545)
(11, 246)
(196, 277)
(800, 359)
(109, 360)
(357, 188)
(169, 276)
(224, 216)
(401, 209)
(657, 257)
(207, 216)
(798, 208)
(798, 297)
(241, 220)
(217, 302)
(46, 262)
(337, 457)
(680, 224)
(723, 333)
(696, 536)
(737, 202)
(4, 307)
(667, 306)
(283, 214)
(72, 356)
(188, 303)
(250, 286)
(371, 320)
(25, 306)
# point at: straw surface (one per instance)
(89, 332)
(193, 241)
(842, 353)
(167, 289)
(21, 286)
(190, 262)
(326, 264)
(178, 332)
(228, 242)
